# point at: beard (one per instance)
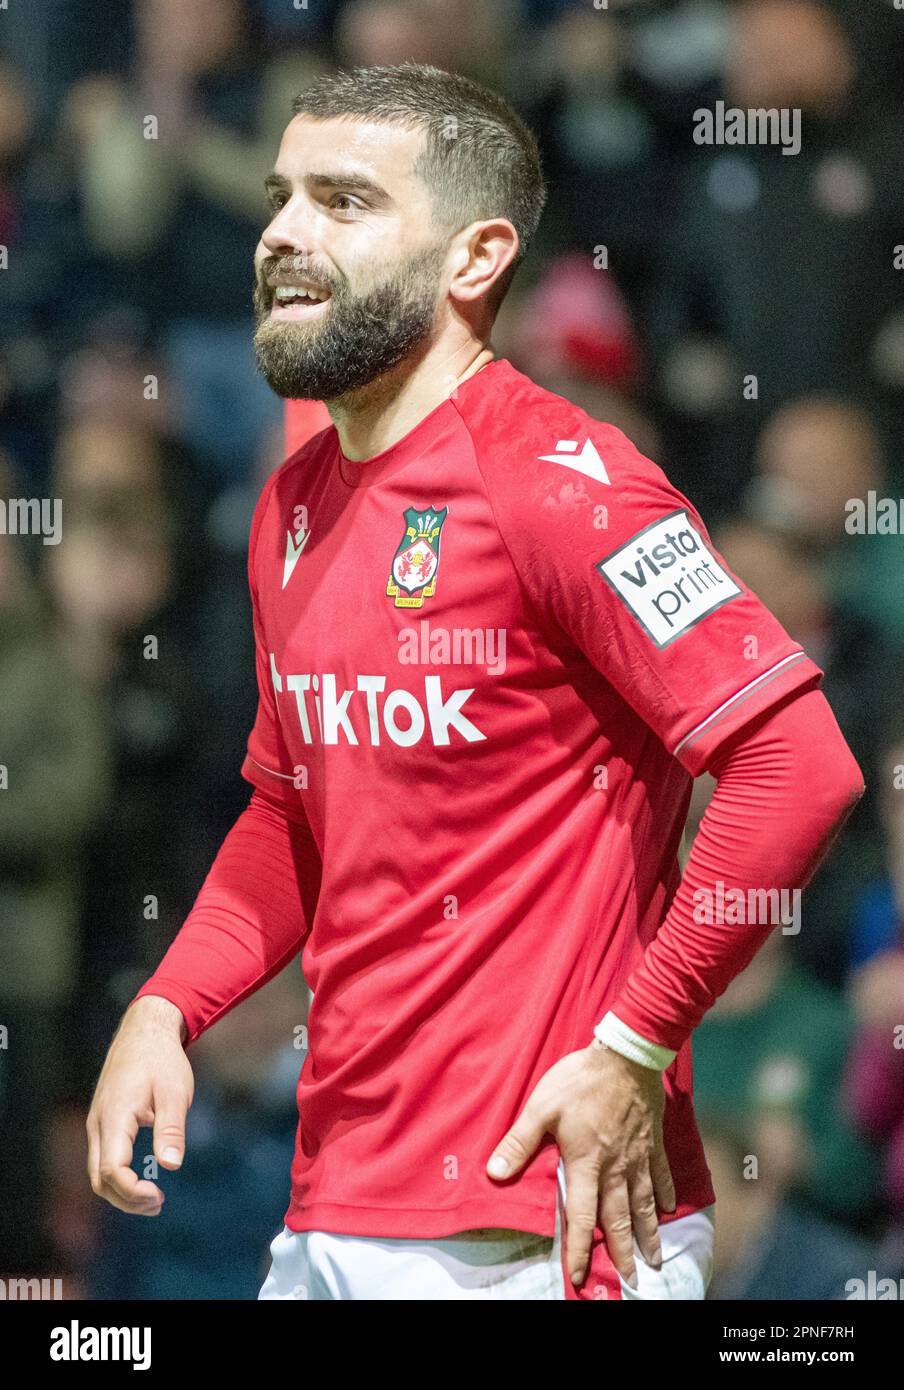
(360, 336)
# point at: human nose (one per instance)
(289, 231)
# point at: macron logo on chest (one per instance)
(294, 547)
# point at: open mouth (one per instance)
(292, 302)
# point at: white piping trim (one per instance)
(284, 775)
(732, 699)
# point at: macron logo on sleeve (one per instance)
(587, 461)
(668, 577)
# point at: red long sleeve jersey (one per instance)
(490, 660)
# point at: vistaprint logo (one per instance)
(32, 516)
(668, 577)
(77, 1343)
(369, 711)
(732, 125)
(760, 906)
(430, 645)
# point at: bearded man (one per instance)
(477, 859)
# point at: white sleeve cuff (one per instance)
(623, 1039)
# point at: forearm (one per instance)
(251, 916)
(783, 792)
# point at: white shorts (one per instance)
(475, 1264)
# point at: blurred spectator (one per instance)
(575, 319)
(55, 786)
(795, 582)
(875, 1070)
(814, 458)
(171, 172)
(229, 1197)
(113, 583)
(770, 1245)
(15, 134)
(57, 41)
(879, 918)
(301, 24)
(31, 225)
(466, 36)
(776, 1042)
(781, 268)
(599, 143)
(220, 638)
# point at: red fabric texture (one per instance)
(481, 849)
(784, 790)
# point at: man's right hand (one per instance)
(146, 1080)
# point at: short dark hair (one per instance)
(480, 160)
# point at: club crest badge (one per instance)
(416, 561)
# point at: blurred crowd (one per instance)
(739, 313)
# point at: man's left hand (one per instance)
(605, 1113)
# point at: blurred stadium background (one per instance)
(667, 277)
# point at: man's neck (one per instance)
(371, 420)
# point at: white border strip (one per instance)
(739, 695)
(287, 777)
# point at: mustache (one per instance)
(272, 266)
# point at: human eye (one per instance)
(346, 204)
